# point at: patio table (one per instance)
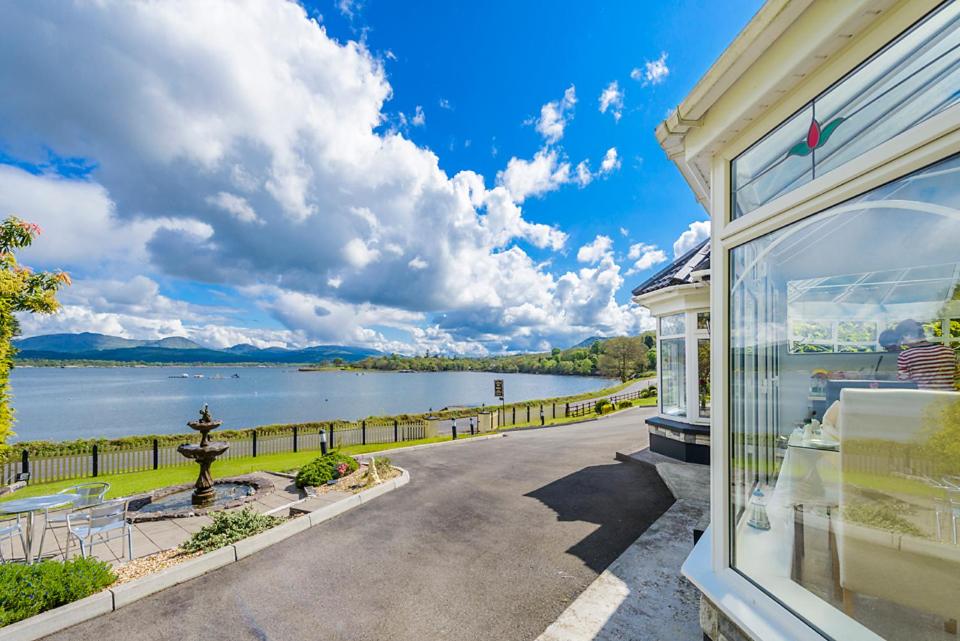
(30, 506)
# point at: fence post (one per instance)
(514, 421)
(25, 462)
(396, 431)
(96, 460)
(294, 439)
(528, 413)
(332, 426)
(363, 433)
(566, 411)
(156, 454)
(254, 442)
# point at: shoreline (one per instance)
(458, 412)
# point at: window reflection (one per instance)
(844, 417)
(673, 377)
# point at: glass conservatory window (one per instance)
(844, 412)
(703, 376)
(912, 79)
(673, 375)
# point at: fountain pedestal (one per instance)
(205, 453)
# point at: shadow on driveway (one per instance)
(623, 499)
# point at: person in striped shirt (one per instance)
(930, 365)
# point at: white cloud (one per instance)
(624, 232)
(555, 115)
(611, 162)
(583, 175)
(445, 104)
(236, 206)
(645, 257)
(349, 8)
(653, 72)
(286, 123)
(79, 222)
(359, 254)
(419, 119)
(543, 174)
(696, 233)
(612, 98)
(592, 252)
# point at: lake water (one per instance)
(86, 402)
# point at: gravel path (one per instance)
(490, 540)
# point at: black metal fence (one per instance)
(98, 460)
(585, 408)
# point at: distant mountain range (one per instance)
(588, 342)
(89, 346)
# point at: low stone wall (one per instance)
(716, 626)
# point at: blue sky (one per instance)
(405, 176)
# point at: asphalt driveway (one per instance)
(489, 541)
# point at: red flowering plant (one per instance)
(342, 470)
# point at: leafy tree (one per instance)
(622, 357)
(21, 290)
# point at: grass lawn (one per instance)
(641, 402)
(131, 483)
(136, 482)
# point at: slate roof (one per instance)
(679, 271)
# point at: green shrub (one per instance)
(325, 468)
(227, 528)
(881, 516)
(645, 393)
(624, 404)
(383, 465)
(653, 390)
(601, 405)
(26, 590)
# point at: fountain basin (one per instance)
(209, 451)
(176, 501)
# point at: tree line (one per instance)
(622, 357)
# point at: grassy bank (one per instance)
(128, 483)
(82, 446)
(642, 402)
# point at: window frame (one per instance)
(931, 141)
(810, 104)
(691, 336)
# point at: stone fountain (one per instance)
(204, 454)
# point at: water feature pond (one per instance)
(175, 501)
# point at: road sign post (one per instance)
(498, 392)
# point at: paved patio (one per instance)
(154, 536)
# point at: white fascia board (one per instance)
(676, 299)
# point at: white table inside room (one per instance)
(805, 496)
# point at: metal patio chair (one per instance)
(99, 523)
(8, 529)
(90, 494)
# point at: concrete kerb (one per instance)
(57, 619)
(111, 599)
(135, 590)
